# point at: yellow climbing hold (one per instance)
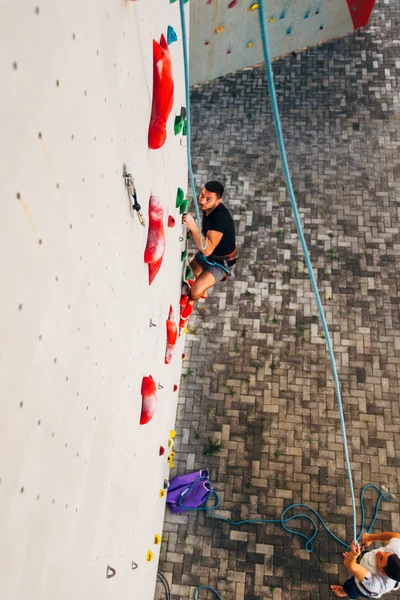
(170, 443)
(254, 6)
(272, 19)
(172, 434)
(186, 330)
(162, 493)
(250, 44)
(157, 539)
(171, 464)
(149, 556)
(220, 29)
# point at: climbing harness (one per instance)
(225, 262)
(130, 187)
(188, 121)
(214, 263)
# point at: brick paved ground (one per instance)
(257, 372)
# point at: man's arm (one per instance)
(350, 562)
(211, 240)
(368, 538)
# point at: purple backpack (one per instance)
(189, 491)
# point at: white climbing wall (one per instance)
(80, 479)
(225, 39)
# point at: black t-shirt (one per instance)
(220, 219)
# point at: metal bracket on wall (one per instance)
(130, 187)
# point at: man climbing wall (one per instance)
(217, 247)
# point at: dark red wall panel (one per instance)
(360, 11)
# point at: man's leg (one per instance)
(338, 591)
(349, 589)
(196, 268)
(204, 281)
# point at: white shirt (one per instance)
(376, 583)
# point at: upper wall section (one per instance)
(225, 34)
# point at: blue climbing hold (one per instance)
(171, 35)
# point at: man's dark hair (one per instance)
(216, 187)
(392, 567)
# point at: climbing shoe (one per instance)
(185, 313)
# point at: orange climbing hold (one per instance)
(172, 334)
(149, 399)
(163, 94)
(155, 246)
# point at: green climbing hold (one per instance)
(184, 206)
(184, 130)
(188, 273)
(178, 124)
(180, 197)
(183, 255)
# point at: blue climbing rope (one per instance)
(188, 121)
(210, 511)
(213, 263)
(277, 121)
(206, 587)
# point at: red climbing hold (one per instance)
(175, 388)
(149, 399)
(155, 246)
(185, 314)
(172, 334)
(162, 450)
(183, 301)
(171, 221)
(163, 94)
(232, 4)
(183, 356)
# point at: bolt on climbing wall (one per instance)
(225, 34)
(90, 359)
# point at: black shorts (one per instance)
(218, 272)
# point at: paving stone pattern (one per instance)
(257, 374)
